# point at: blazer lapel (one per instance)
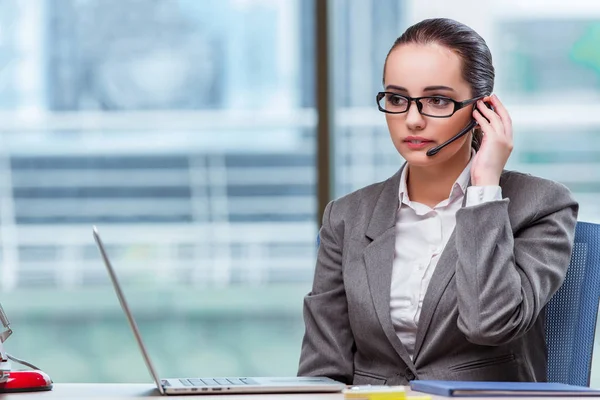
(379, 258)
(444, 271)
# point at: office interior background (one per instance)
(186, 130)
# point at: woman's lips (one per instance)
(416, 142)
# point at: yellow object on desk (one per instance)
(370, 392)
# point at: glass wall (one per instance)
(183, 129)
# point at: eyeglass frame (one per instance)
(417, 100)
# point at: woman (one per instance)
(443, 270)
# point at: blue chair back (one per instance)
(571, 313)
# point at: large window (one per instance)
(185, 131)
(550, 72)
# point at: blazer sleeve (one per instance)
(505, 279)
(327, 347)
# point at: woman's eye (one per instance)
(396, 100)
(438, 101)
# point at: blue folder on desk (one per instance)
(499, 389)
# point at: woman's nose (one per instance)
(414, 119)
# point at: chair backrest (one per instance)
(571, 313)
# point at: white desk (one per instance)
(118, 391)
(98, 391)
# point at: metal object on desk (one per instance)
(18, 381)
(5, 366)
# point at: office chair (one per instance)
(572, 311)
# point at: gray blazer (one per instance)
(483, 314)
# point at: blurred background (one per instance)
(186, 131)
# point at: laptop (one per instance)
(214, 385)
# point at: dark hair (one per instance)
(477, 67)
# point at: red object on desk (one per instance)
(26, 381)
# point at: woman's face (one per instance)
(427, 70)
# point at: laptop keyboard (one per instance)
(216, 382)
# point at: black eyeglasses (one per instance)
(431, 106)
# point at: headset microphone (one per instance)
(472, 124)
(435, 150)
